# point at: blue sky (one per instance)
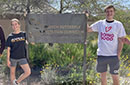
(125, 3)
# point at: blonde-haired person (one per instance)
(16, 52)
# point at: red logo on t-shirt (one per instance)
(106, 36)
(108, 28)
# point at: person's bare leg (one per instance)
(12, 74)
(115, 79)
(103, 78)
(26, 73)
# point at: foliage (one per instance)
(68, 57)
(74, 75)
(58, 54)
(61, 54)
(38, 55)
(20, 6)
(48, 75)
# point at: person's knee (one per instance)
(12, 72)
(28, 72)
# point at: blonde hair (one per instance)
(16, 20)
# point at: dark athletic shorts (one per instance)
(104, 61)
(22, 61)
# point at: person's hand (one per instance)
(25, 13)
(8, 63)
(86, 13)
(125, 40)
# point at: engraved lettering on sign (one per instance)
(63, 27)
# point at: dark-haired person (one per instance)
(110, 35)
(2, 41)
(16, 52)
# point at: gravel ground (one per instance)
(36, 81)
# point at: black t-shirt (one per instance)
(17, 43)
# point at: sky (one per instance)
(126, 3)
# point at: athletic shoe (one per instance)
(15, 82)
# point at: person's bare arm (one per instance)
(8, 56)
(120, 46)
(89, 29)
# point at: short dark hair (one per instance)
(108, 7)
